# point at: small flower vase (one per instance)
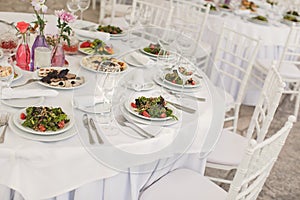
(40, 41)
(23, 55)
(58, 56)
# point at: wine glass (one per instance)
(6, 76)
(107, 86)
(72, 6)
(83, 5)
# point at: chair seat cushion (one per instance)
(229, 149)
(184, 184)
(287, 70)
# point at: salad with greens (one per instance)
(155, 49)
(110, 29)
(44, 118)
(152, 107)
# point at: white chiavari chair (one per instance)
(255, 167)
(288, 66)
(190, 18)
(234, 59)
(227, 154)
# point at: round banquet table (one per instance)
(119, 168)
(272, 39)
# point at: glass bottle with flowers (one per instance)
(23, 51)
(39, 9)
(63, 20)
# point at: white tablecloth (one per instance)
(39, 170)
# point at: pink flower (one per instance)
(22, 27)
(65, 16)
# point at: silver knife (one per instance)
(96, 131)
(181, 107)
(86, 125)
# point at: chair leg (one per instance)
(296, 111)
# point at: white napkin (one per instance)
(137, 80)
(141, 59)
(8, 93)
(242, 12)
(87, 100)
(92, 34)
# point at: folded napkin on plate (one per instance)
(87, 100)
(137, 80)
(92, 34)
(141, 59)
(8, 93)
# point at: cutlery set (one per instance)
(90, 122)
(3, 122)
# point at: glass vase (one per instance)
(40, 41)
(58, 56)
(23, 56)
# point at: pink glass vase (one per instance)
(23, 56)
(58, 56)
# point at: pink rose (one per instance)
(22, 27)
(65, 16)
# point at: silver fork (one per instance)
(124, 122)
(27, 82)
(2, 137)
(87, 126)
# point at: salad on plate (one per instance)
(43, 119)
(152, 108)
(114, 30)
(155, 50)
(96, 47)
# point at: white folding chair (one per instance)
(227, 154)
(257, 162)
(190, 18)
(112, 12)
(288, 66)
(234, 58)
(151, 13)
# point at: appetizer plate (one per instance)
(197, 80)
(91, 63)
(42, 138)
(23, 102)
(18, 123)
(90, 51)
(133, 118)
(66, 84)
(130, 109)
(289, 23)
(158, 80)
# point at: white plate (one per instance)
(127, 105)
(157, 79)
(198, 84)
(19, 72)
(23, 102)
(92, 52)
(131, 117)
(18, 122)
(131, 61)
(87, 65)
(149, 54)
(49, 138)
(289, 23)
(36, 76)
(145, 87)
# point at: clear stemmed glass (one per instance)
(107, 86)
(83, 5)
(72, 6)
(6, 76)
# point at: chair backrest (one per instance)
(234, 59)
(257, 163)
(109, 8)
(189, 17)
(151, 13)
(267, 105)
(291, 51)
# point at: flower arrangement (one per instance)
(39, 8)
(63, 20)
